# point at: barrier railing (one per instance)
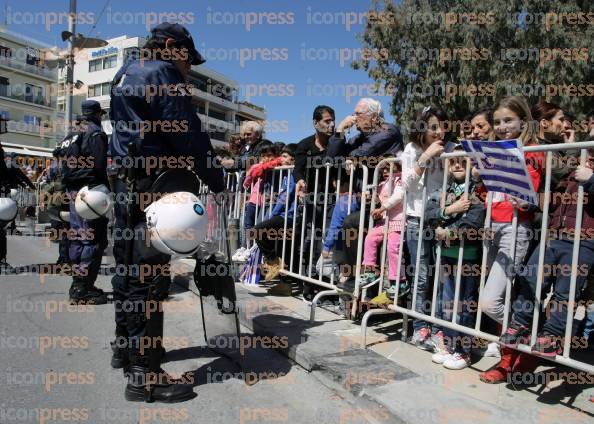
(299, 252)
(407, 311)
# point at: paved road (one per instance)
(55, 362)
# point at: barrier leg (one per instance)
(316, 299)
(365, 319)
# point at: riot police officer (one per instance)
(85, 164)
(153, 119)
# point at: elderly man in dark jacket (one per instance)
(365, 133)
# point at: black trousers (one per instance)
(138, 311)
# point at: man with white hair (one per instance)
(365, 133)
(252, 143)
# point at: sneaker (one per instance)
(368, 277)
(499, 373)
(239, 254)
(420, 336)
(492, 351)
(514, 335)
(434, 343)
(403, 290)
(441, 356)
(547, 345)
(457, 361)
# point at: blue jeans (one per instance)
(87, 246)
(589, 326)
(454, 340)
(249, 221)
(557, 272)
(425, 270)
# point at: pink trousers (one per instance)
(373, 240)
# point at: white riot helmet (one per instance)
(13, 193)
(177, 223)
(93, 203)
(8, 209)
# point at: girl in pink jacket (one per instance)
(390, 197)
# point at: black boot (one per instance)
(119, 347)
(146, 386)
(119, 357)
(82, 294)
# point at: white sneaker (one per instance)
(492, 351)
(457, 361)
(239, 254)
(441, 356)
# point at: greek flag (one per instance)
(502, 167)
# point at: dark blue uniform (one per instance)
(85, 164)
(162, 125)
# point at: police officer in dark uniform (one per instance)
(86, 165)
(149, 127)
(55, 175)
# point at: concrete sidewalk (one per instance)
(401, 378)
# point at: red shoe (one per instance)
(524, 366)
(502, 369)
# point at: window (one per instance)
(33, 94)
(99, 90)
(4, 114)
(3, 86)
(103, 63)
(31, 120)
(5, 51)
(32, 56)
(110, 62)
(95, 65)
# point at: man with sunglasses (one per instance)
(153, 119)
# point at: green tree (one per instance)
(466, 54)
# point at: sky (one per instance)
(287, 56)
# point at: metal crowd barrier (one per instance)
(303, 268)
(306, 247)
(564, 358)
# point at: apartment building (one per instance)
(28, 91)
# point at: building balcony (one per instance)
(39, 71)
(252, 110)
(28, 99)
(44, 131)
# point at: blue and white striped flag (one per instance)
(502, 167)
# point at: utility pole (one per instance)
(70, 65)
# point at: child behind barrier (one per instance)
(512, 120)
(270, 233)
(334, 239)
(269, 159)
(457, 221)
(421, 169)
(390, 195)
